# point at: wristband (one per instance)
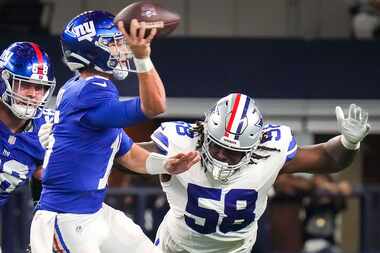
(143, 65)
(349, 145)
(156, 164)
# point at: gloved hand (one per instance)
(43, 134)
(353, 128)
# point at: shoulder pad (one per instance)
(280, 137)
(174, 137)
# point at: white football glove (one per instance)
(43, 134)
(353, 128)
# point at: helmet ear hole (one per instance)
(5, 74)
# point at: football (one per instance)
(153, 14)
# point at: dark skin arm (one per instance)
(291, 184)
(328, 157)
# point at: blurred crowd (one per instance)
(365, 18)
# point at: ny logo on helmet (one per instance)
(85, 31)
(5, 57)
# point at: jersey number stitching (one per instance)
(183, 128)
(14, 173)
(115, 147)
(239, 207)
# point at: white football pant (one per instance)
(106, 231)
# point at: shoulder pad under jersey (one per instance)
(174, 137)
(280, 137)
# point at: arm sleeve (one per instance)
(125, 144)
(292, 149)
(115, 114)
(161, 140)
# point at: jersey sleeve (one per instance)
(280, 136)
(125, 143)
(115, 114)
(97, 91)
(292, 148)
(160, 138)
(174, 137)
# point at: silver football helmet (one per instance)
(232, 131)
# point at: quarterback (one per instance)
(87, 135)
(215, 206)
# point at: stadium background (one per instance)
(298, 58)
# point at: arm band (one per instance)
(115, 114)
(143, 65)
(156, 164)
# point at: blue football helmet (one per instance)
(27, 80)
(92, 40)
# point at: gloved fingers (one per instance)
(351, 111)
(339, 115)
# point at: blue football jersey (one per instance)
(21, 153)
(80, 157)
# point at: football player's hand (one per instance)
(354, 127)
(136, 39)
(181, 162)
(43, 134)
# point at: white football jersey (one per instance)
(207, 216)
